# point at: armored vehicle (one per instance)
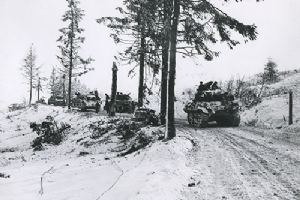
(146, 115)
(85, 102)
(213, 105)
(56, 101)
(124, 103)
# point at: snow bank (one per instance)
(157, 171)
(273, 111)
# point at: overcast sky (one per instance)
(23, 22)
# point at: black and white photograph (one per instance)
(150, 100)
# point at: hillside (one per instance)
(95, 160)
(272, 112)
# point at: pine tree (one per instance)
(53, 83)
(186, 27)
(57, 83)
(70, 42)
(270, 72)
(195, 26)
(40, 83)
(30, 71)
(134, 29)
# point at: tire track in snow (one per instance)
(213, 170)
(246, 157)
(268, 170)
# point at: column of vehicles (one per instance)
(210, 104)
(83, 102)
(92, 101)
(124, 104)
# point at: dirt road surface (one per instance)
(242, 163)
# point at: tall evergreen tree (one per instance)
(187, 27)
(134, 29)
(195, 26)
(70, 43)
(30, 71)
(39, 86)
(53, 83)
(270, 72)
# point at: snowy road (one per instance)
(243, 163)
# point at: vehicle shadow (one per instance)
(183, 123)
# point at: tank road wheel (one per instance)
(230, 120)
(198, 119)
(83, 107)
(97, 107)
(236, 119)
(120, 109)
(224, 122)
(190, 119)
(201, 120)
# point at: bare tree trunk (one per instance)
(39, 87)
(64, 89)
(30, 89)
(171, 131)
(164, 85)
(70, 82)
(142, 69)
(112, 107)
(71, 64)
(31, 78)
(165, 62)
(142, 66)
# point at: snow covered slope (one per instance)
(273, 111)
(84, 166)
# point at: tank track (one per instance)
(198, 119)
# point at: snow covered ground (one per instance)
(158, 171)
(212, 163)
(243, 163)
(274, 110)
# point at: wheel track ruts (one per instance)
(262, 164)
(290, 161)
(194, 160)
(285, 157)
(254, 165)
(261, 133)
(249, 165)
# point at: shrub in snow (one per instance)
(16, 106)
(127, 130)
(2, 175)
(99, 129)
(139, 142)
(48, 132)
(252, 122)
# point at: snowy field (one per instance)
(261, 161)
(59, 172)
